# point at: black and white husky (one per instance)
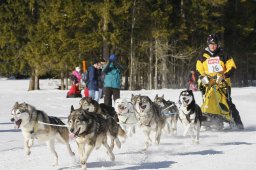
(149, 118)
(33, 124)
(190, 115)
(126, 115)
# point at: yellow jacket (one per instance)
(216, 64)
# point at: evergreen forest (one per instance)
(157, 41)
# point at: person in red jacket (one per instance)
(74, 91)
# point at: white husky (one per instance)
(126, 115)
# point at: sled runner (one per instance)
(215, 104)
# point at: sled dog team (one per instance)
(92, 124)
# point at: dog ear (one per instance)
(150, 101)
(29, 107)
(156, 96)
(16, 104)
(163, 96)
(72, 108)
(89, 99)
(191, 92)
(179, 98)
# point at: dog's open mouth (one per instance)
(121, 107)
(77, 132)
(18, 122)
(142, 108)
(186, 101)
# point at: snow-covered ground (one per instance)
(225, 150)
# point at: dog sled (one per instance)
(215, 105)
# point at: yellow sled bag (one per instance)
(215, 102)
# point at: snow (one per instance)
(218, 150)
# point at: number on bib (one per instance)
(214, 65)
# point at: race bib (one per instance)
(214, 65)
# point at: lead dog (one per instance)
(126, 115)
(89, 129)
(149, 118)
(28, 118)
(170, 111)
(190, 115)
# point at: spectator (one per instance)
(112, 80)
(192, 85)
(76, 73)
(101, 76)
(74, 91)
(93, 80)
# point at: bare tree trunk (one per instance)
(156, 64)
(106, 20)
(62, 85)
(164, 51)
(126, 83)
(36, 80)
(150, 76)
(67, 75)
(131, 48)
(32, 81)
(174, 72)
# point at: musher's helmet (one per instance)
(212, 39)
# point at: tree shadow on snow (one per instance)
(6, 123)
(205, 152)
(10, 130)
(151, 165)
(70, 167)
(235, 143)
(103, 164)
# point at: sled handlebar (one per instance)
(213, 81)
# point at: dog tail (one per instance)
(63, 131)
(121, 132)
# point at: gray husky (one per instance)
(170, 111)
(28, 118)
(89, 129)
(108, 112)
(87, 103)
(149, 118)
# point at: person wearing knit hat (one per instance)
(112, 80)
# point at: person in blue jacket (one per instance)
(112, 80)
(93, 84)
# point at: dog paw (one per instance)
(83, 167)
(111, 156)
(195, 141)
(28, 152)
(55, 164)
